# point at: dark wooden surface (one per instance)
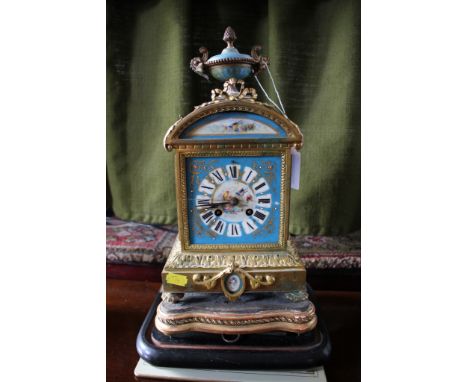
(128, 302)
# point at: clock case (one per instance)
(264, 267)
(270, 305)
(243, 145)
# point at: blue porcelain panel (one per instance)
(224, 72)
(234, 125)
(264, 201)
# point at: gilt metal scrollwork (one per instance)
(262, 61)
(197, 64)
(255, 281)
(233, 89)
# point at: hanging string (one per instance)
(267, 96)
(276, 90)
(281, 107)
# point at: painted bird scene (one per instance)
(239, 126)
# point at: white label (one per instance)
(295, 168)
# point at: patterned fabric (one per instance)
(129, 242)
(330, 251)
(133, 243)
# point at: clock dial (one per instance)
(234, 200)
(233, 203)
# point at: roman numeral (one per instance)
(265, 200)
(206, 187)
(248, 175)
(249, 226)
(234, 230)
(261, 186)
(207, 217)
(218, 175)
(233, 170)
(259, 215)
(203, 202)
(219, 227)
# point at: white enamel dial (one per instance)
(234, 200)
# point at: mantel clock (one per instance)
(233, 176)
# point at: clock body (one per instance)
(233, 175)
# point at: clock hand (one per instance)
(218, 204)
(233, 202)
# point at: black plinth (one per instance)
(267, 350)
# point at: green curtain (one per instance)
(314, 48)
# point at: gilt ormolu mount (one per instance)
(233, 270)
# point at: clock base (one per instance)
(250, 313)
(268, 350)
(267, 271)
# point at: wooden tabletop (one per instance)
(129, 301)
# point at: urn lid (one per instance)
(229, 63)
(230, 54)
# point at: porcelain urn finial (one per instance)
(229, 64)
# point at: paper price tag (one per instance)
(175, 279)
(295, 168)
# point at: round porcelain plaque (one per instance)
(233, 283)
